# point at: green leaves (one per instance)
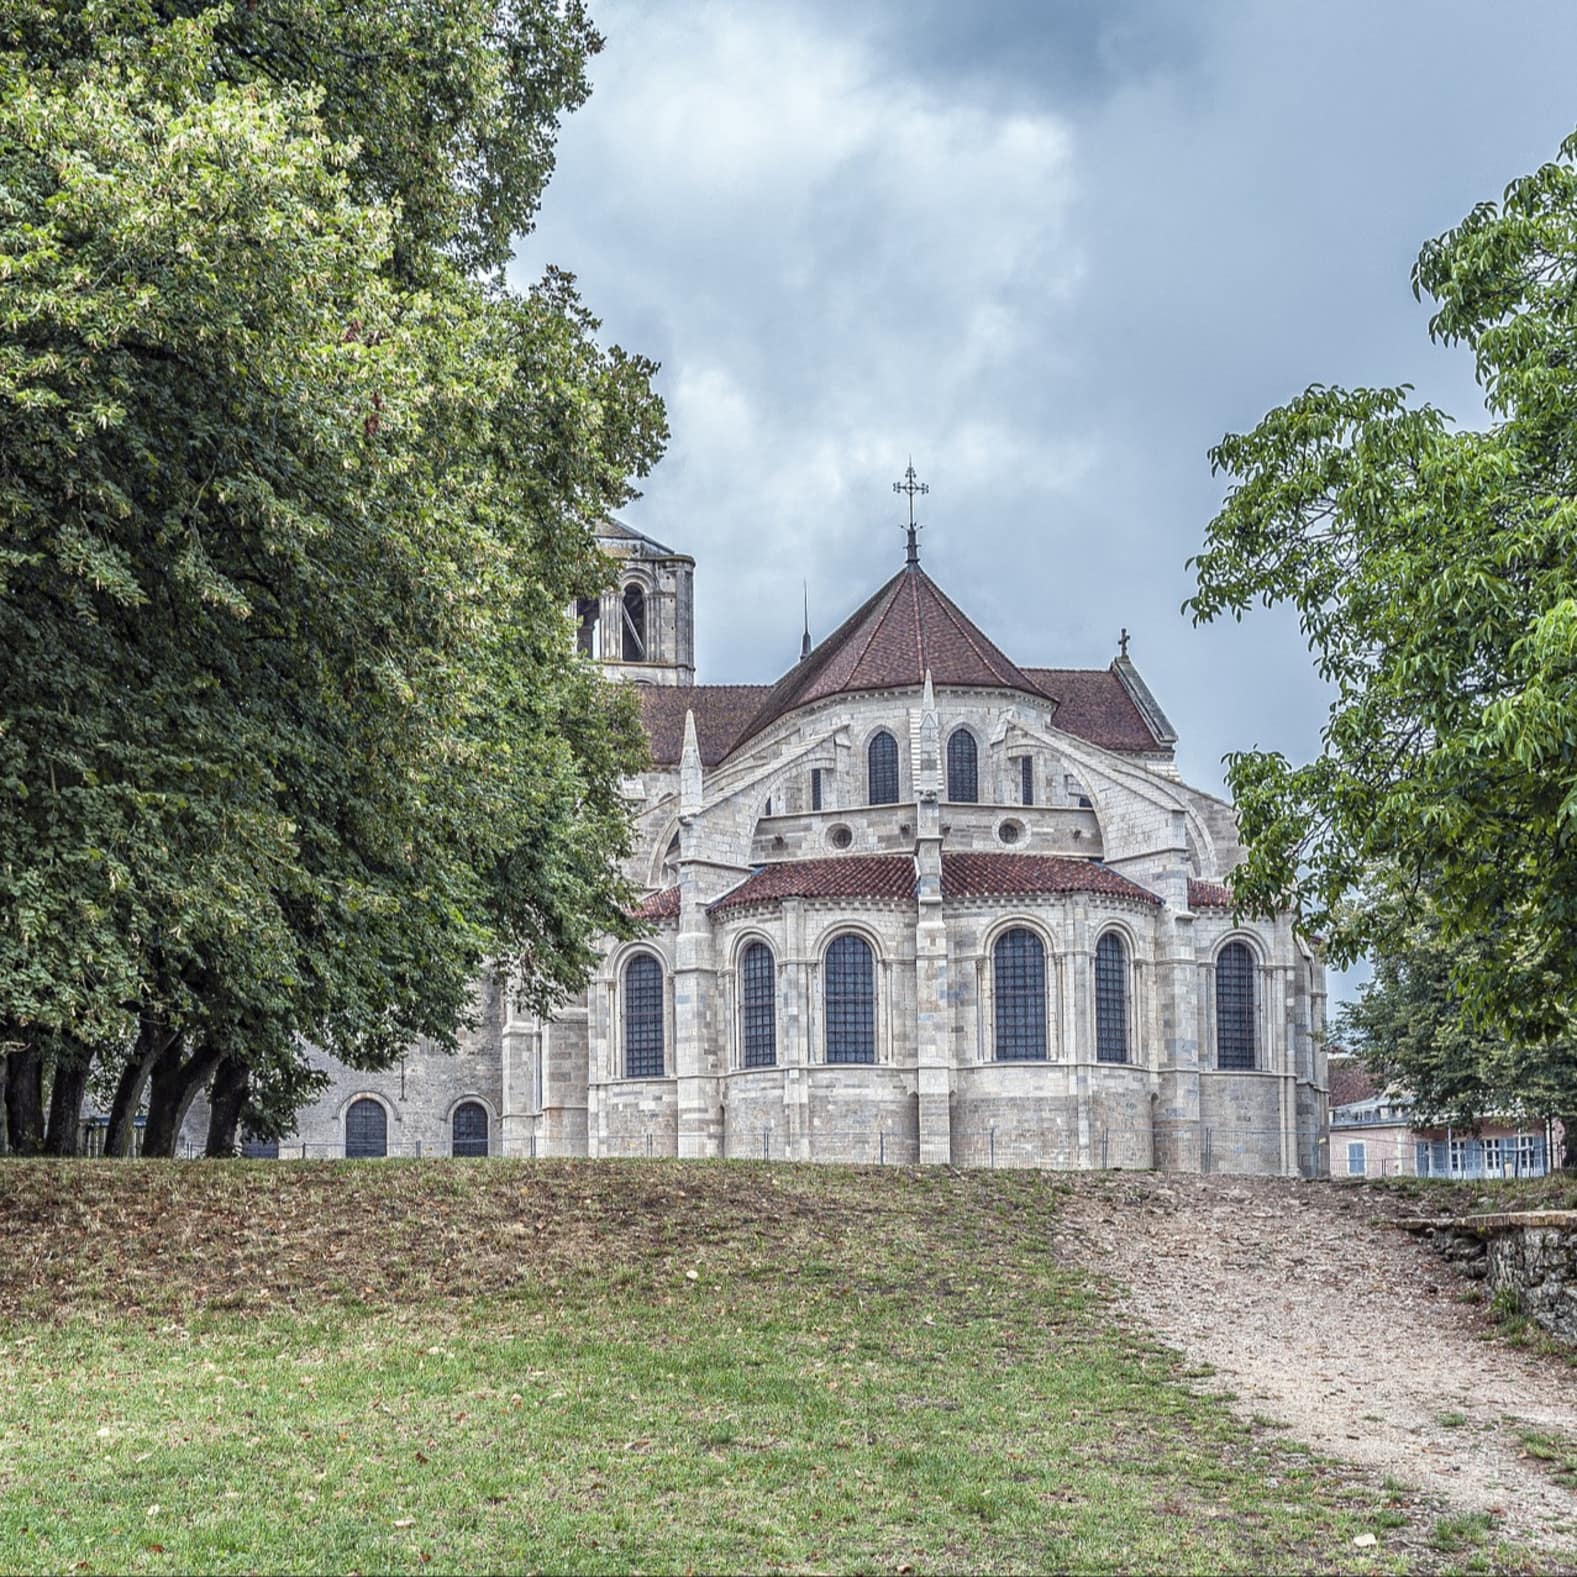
(295, 739)
(1434, 573)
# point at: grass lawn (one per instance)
(613, 1366)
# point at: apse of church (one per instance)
(913, 903)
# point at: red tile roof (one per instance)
(1208, 895)
(963, 876)
(663, 905)
(909, 626)
(1092, 704)
(852, 876)
(1350, 1081)
(989, 875)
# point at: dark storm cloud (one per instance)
(1056, 250)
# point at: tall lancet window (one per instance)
(851, 1000)
(963, 768)
(758, 1006)
(643, 1018)
(881, 764)
(1235, 1036)
(634, 624)
(1111, 999)
(1019, 976)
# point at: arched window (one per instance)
(963, 767)
(1019, 965)
(851, 1001)
(643, 1018)
(588, 610)
(470, 1129)
(366, 1130)
(758, 1006)
(881, 770)
(1235, 1007)
(634, 624)
(1111, 999)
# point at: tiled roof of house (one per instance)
(1350, 1081)
(1093, 704)
(663, 905)
(908, 627)
(964, 875)
(721, 713)
(1208, 895)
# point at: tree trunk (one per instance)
(224, 1106)
(65, 1101)
(5, 1124)
(173, 1084)
(24, 1100)
(153, 1042)
(1568, 1143)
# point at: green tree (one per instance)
(293, 737)
(1434, 571)
(1411, 1028)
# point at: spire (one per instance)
(913, 488)
(804, 640)
(690, 772)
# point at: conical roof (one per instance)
(909, 626)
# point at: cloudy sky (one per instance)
(1053, 250)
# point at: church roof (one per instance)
(889, 643)
(1094, 704)
(722, 712)
(661, 905)
(612, 530)
(964, 875)
(1208, 895)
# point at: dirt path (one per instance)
(1350, 1334)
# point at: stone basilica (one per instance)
(911, 903)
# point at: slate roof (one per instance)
(963, 876)
(1094, 705)
(909, 626)
(663, 905)
(617, 531)
(1208, 895)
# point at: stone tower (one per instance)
(642, 628)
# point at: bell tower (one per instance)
(642, 628)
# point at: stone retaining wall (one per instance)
(1527, 1258)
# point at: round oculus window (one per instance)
(1010, 831)
(840, 837)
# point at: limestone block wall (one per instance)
(1243, 1122)
(862, 1114)
(418, 1094)
(1016, 1114)
(637, 1118)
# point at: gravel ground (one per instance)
(1351, 1334)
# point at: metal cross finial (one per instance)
(913, 488)
(1122, 643)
